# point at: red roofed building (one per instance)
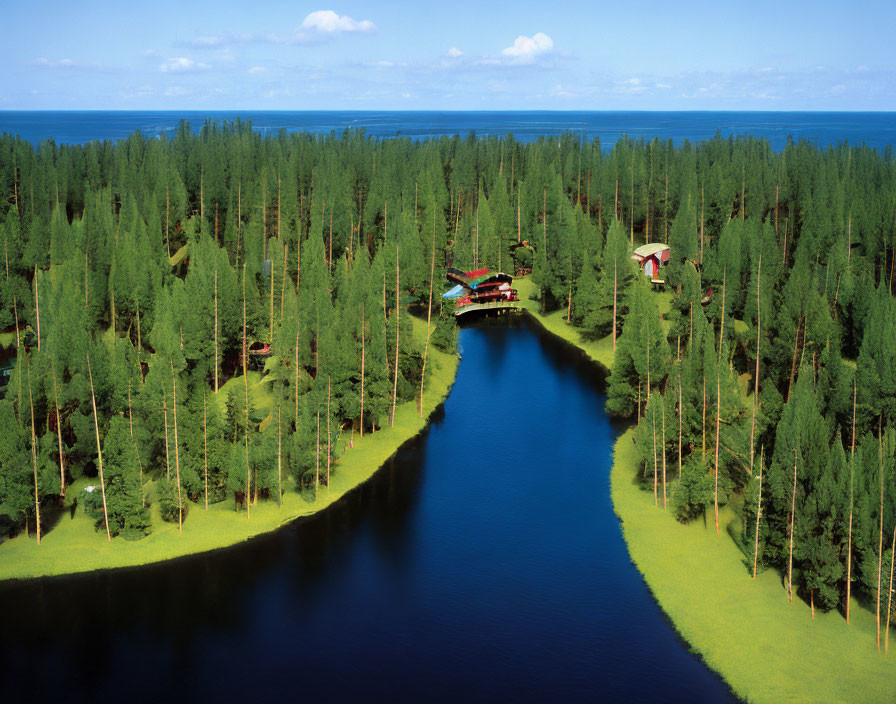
(651, 257)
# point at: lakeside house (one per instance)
(651, 257)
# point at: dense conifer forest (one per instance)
(142, 277)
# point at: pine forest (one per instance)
(199, 319)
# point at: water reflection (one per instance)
(483, 562)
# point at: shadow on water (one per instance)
(457, 572)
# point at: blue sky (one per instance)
(635, 55)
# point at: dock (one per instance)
(486, 306)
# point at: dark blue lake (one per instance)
(876, 129)
(483, 563)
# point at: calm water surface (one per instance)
(876, 129)
(484, 562)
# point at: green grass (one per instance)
(75, 546)
(600, 351)
(767, 649)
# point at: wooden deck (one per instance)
(491, 305)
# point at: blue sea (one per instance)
(876, 129)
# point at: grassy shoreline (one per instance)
(703, 585)
(73, 545)
(600, 351)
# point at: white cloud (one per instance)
(59, 63)
(454, 52)
(525, 50)
(208, 41)
(328, 22)
(317, 26)
(257, 69)
(182, 64)
(176, 91)
(67, 64)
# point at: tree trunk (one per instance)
(397, 334)
(569, 305)
(139, 461)
(279, 460)
(99, 450)
(299, 250)
(786, 223)
(139, 342)
(167, 210)
(329, 449)
(702, 207)
(718, 428)
(476, 238)
(205, 444)
(317, 457)
(852, 455)
(704, 414)
(363, 351)
(722, 324)
(59, 428)
(283, 281)
(246, 388)
(796, 343)
(15, 311)
(167, 452)
(792, 525)
(297, 377)
(664, 449)
(758, 514)
(849, 238)
(655, 472)
(777, 194)
(890, 593)
(216, 330)
(271, 335)
(648, 361)
(37, 308)
(33, 453)
(180, 505)
(666, 207)
(631, 211)
(680, 423)
(432, 274)
(614, 305)
(880, 544)
(756, 373)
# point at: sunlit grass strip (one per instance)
(75, 546)
(767, 649)
(600, 351)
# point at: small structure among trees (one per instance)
(651, 257)
(480, 290)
